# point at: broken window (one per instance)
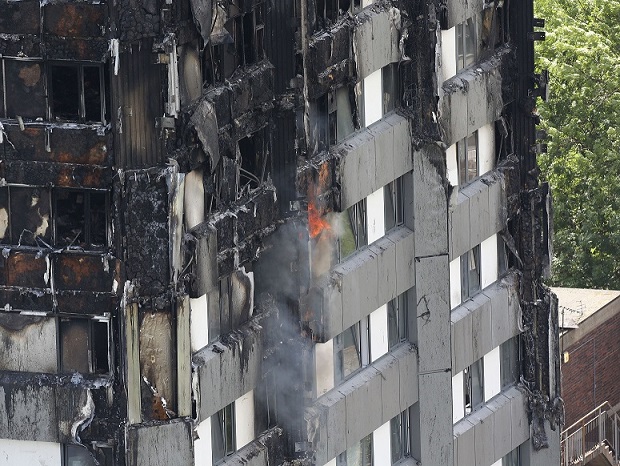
(473, 386)
(467, 156)
(22, 88)
(470, 273)
(466, 44)
(77, 455)
(394, 204)
(80, 218)
(397, 319)
(391, 87)
(223, 433)
(351, 350)
(25, 215)
(400, 437)
(255, 161)
(76, 92)
(359, 454)
(510, 361)
(84, 346)
(328, 11)
(355, 232)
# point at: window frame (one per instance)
(225, 419)
(400, 428)
(510, 362)
(464, 33)
(468, 287)
(398, 320)
(464, 149)
(82, 110)
(355, 220)
(87, 222)
(91, 344)
(360, 334)
(394, 195)
(476, 369)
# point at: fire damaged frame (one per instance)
(172, 175)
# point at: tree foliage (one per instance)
(582, 54)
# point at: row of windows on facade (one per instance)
(53, 91)
(337, 117)
(224, 442)
(473, 375)
(355, 220)
(78, 218)
(352, 347)
(471, 273)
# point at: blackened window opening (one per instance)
(80, 218)
(76, 92)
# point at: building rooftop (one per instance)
(577, 304)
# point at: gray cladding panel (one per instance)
(483, 420)
(484, 322)
(460, 10)
(366, 166)
(28, 413)
(464, 436)
(32, 347)
(367, 280)
(489, 433)
(363, 403)
(479, 213)
(160, 445)
(375, 41)
(500, 405)
(226, 372)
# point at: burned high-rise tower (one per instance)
(273, 232)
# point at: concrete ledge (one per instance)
(264, 451)
(488, 434)
(229, 367)
(477, 89)
(373, 157)
(480, 212)
(365, 281)
(160, 444)
(485, 321)
(346, 414)
(376, 38)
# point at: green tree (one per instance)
(582, 54)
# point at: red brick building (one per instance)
(590, 346)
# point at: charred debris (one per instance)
(159, 162)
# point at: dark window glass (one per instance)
(355, 233)
(77, 455)
(399, 436)
(397, 319)
(92, 93)
(65, 84)
(100, 349)
(470, 273)
(473, 381)
(81, 218)
(223, 433)
(391, 87)
(510, 365)
(394, 204)
(467, 153)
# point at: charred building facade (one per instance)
(273, 232)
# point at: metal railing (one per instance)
(586, 438)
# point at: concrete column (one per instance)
(486, 149)
(378, 333)
(545, 456)
(199, 322)
(488, 261)
(448, 53)
(458, 398)
(324, 367)
(492, 378)
(13, 452)
(375, 215)
(455, 282)
(381, 446)
(373, 98)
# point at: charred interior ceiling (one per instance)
(173, 175)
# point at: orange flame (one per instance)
(316, 224)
